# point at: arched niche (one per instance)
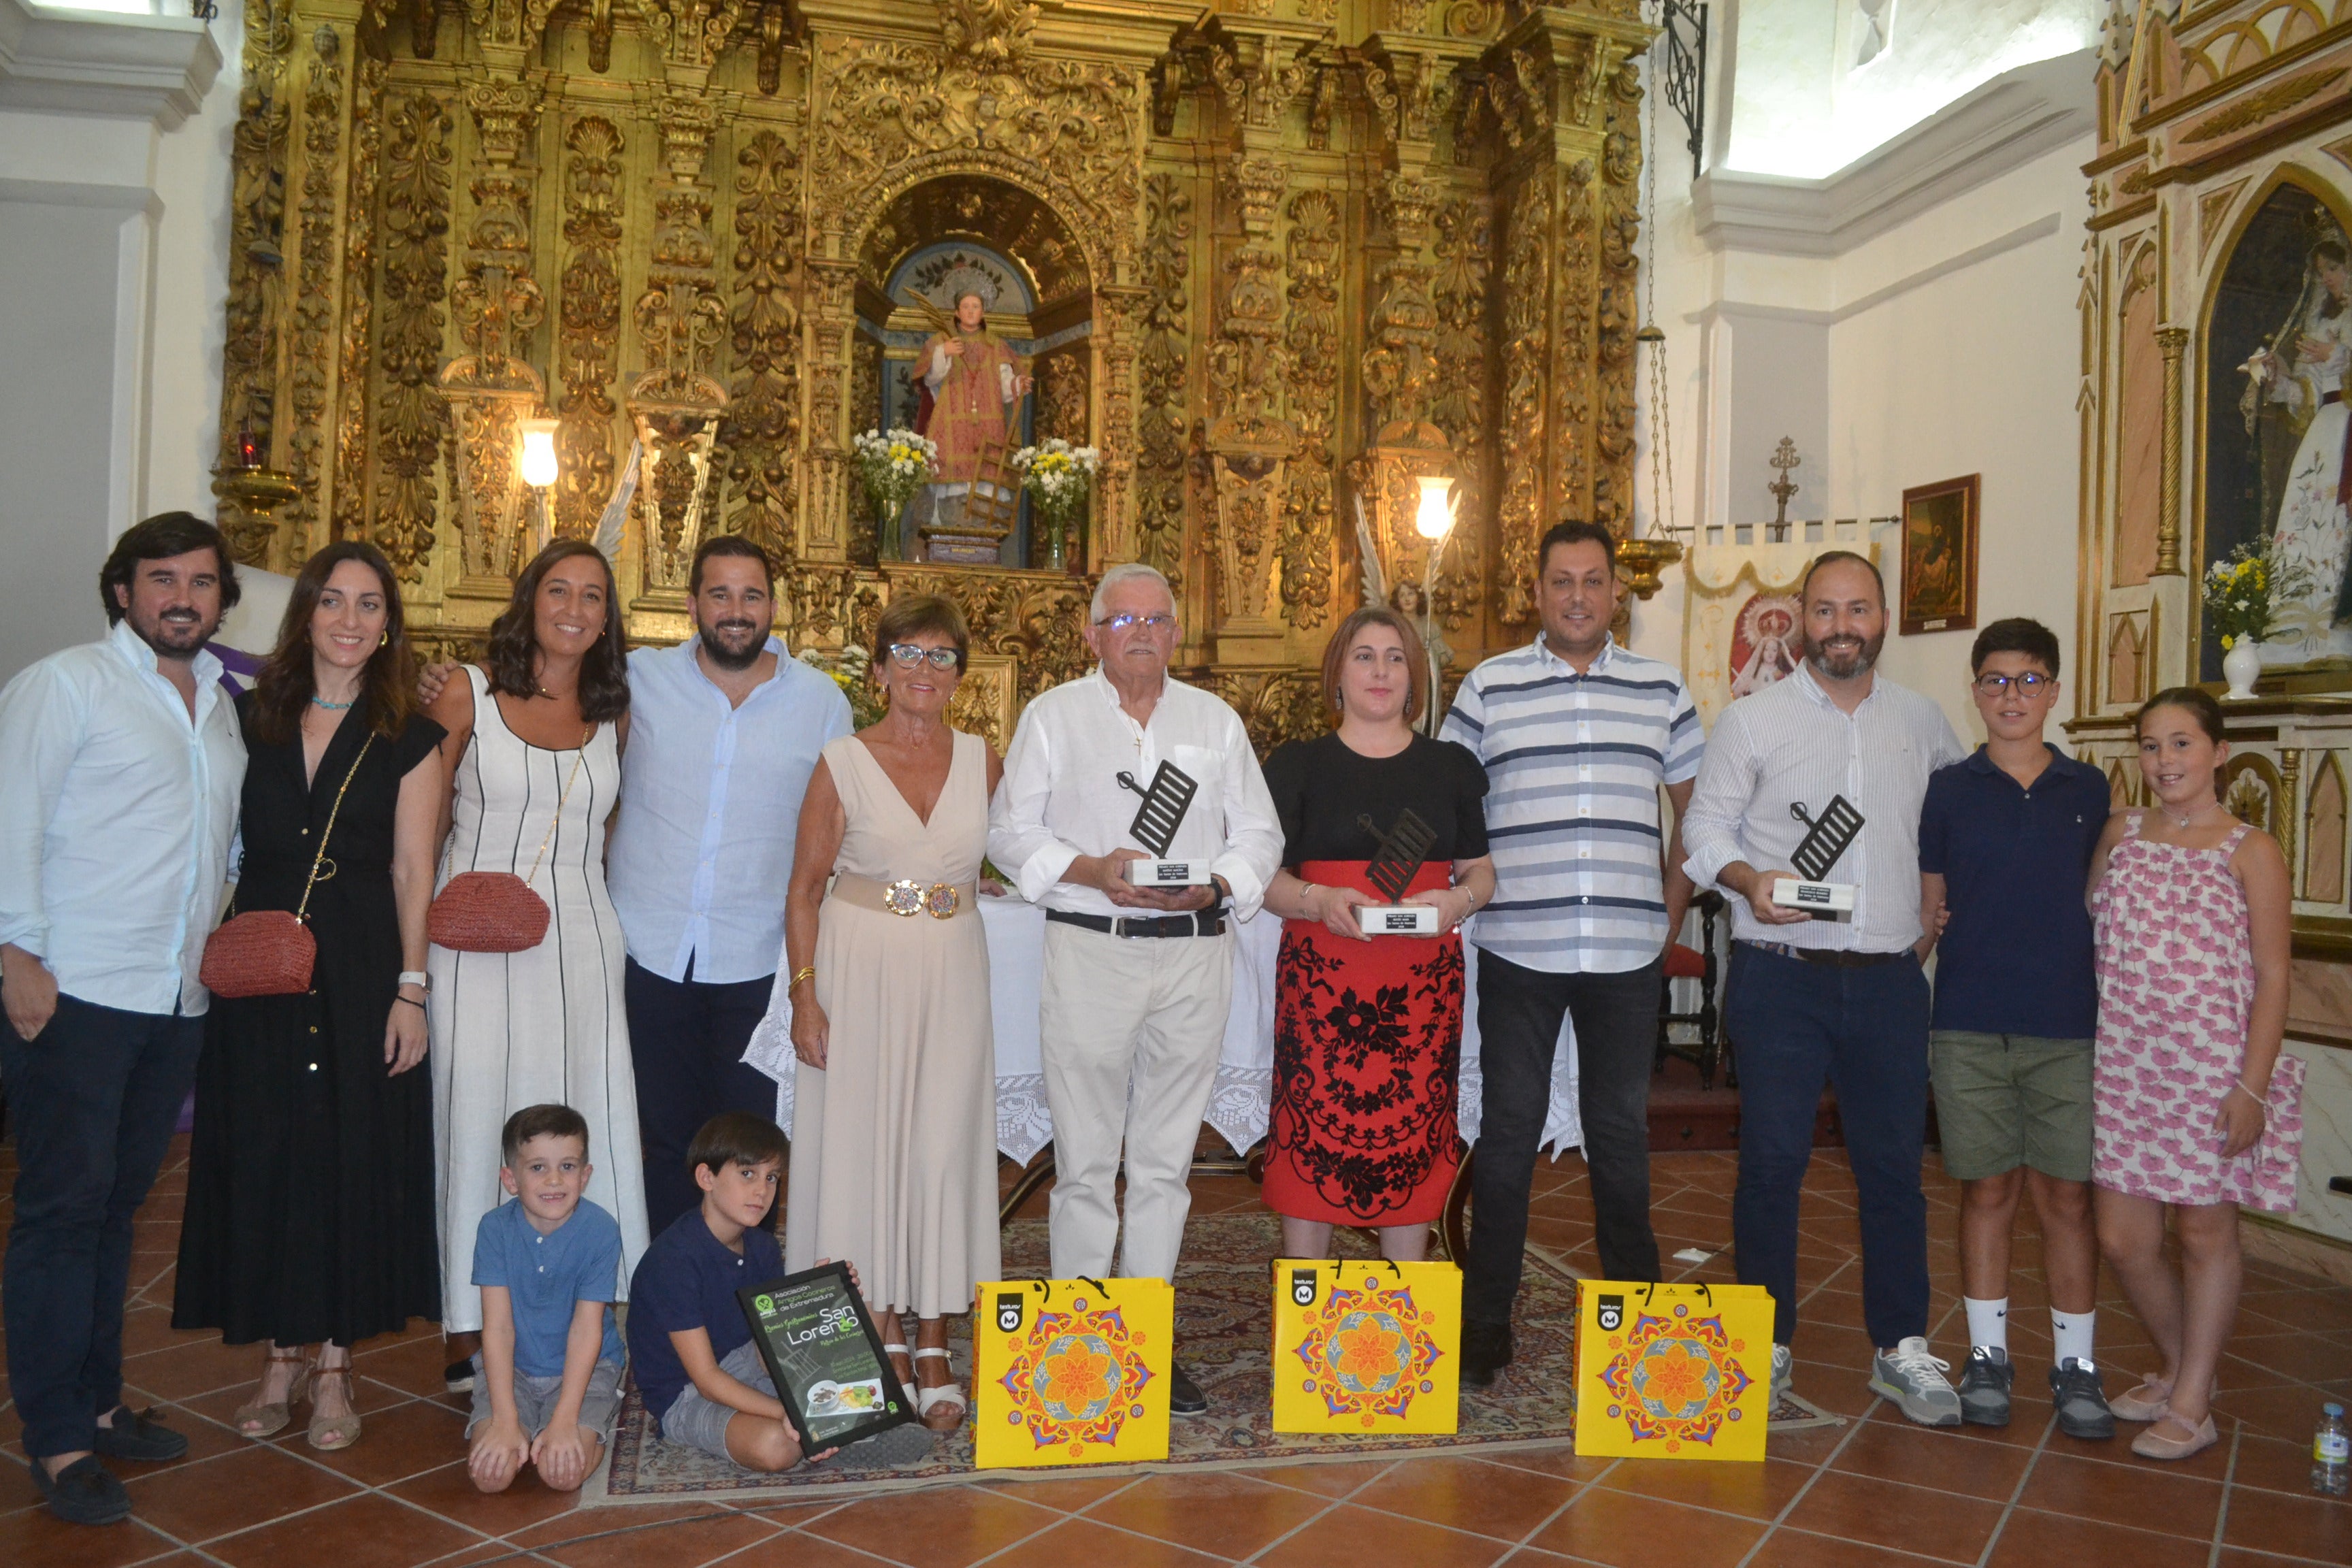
(2261, 287)
(935, 239)
(2323, 832)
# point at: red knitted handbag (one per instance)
(269, 952)
(486, 911)
(496, 912)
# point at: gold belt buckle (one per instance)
(904, 897)
(941, 902)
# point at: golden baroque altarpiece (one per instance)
(1285, 255)
(2224, 160)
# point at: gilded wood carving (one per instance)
(1261, 236)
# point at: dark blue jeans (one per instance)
(1519, 1012)
(687, 1041)
(1864, 1030)
(93, 1099)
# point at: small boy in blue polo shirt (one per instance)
(701, 1373)
(2005, 845)
(546, 1381)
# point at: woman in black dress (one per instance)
(310, 1216)
(1368, 1030)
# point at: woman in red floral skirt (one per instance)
(1368, 1030)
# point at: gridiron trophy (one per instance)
(1154, 827)
(1838, 826)
(1397, 859)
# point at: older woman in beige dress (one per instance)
(894, 1120)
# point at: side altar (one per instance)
(1273, 258)
(2213, 296)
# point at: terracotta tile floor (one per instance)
(1874, 1491)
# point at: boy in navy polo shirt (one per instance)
(547, 1380)
(2005, 845)
(702, 1375)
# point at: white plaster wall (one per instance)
(1944, 346)
(1798, 105)
(113, 273)
(191, 179)
(1972, 371)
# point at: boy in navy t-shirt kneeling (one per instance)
(697, 1368)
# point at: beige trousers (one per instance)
(1131, 1028)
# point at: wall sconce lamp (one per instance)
(539, 466)
(1433, 519)
(535, 461)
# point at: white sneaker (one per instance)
(1912, 1375)
(1783, 1374)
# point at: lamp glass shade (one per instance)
(539, 452)
(1433, 519)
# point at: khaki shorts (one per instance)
(536, 1398)
(2006, 1100)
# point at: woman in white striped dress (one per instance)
(534, 746)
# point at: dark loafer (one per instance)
(1485, 1350)
(84, 1492)
(1184, 1395)
(137, 1434)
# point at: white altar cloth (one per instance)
(1239, 1104)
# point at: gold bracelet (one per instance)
(807, 972)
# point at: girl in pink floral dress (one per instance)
(2194, 1105)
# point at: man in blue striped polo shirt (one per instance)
(1576, 734)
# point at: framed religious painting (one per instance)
(1938, 592)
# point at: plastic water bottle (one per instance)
(2331, 1453)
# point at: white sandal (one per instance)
(944, 1393)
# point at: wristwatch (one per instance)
(417, 978)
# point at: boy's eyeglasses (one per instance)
(1149, 623)
(906, 654)
(2027, 684)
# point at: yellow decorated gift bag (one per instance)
(1672, 1371)
(1071, 1372)
(1366, 1347)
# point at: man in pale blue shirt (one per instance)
(116, 810)
(724, 729)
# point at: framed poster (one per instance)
(825, 1356)
(1939, 557)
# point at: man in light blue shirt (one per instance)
(724, 729)
(117, 804)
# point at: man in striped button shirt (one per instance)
(1576, 734)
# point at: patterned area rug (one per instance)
(1224, 1325)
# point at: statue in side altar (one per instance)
(973, 383)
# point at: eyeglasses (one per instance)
(906, 654)
(1149, 623)
(2027, 685)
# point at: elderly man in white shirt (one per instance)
(1842, 999)
(116, 811)
(1138, 980)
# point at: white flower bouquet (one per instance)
(893, 465)
(1058, 477)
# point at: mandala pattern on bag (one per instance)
(1076, 1377)
(1674, 1379)
(1369, 1351)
